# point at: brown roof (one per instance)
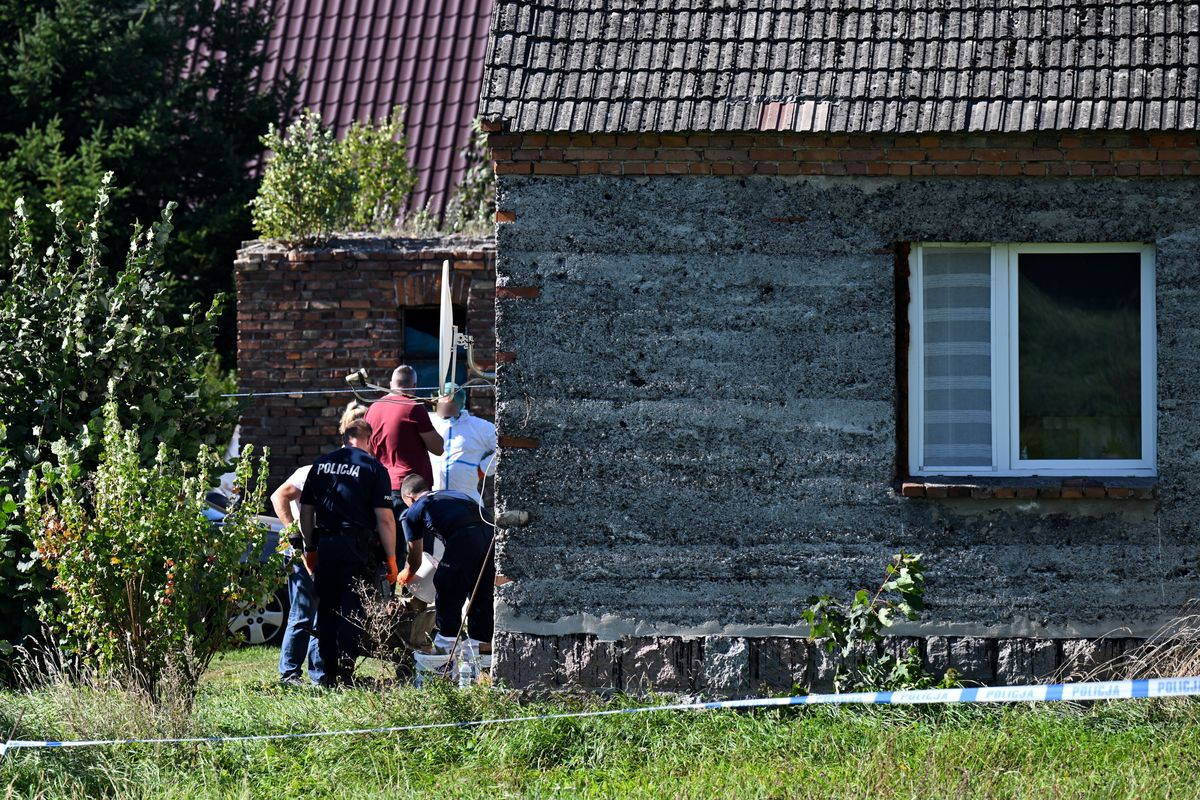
(844, 65)
(355, 59)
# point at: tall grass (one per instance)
(1144, 749)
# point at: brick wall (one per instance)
(307, 317)
(1042, 154)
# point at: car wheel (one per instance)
(262, 623)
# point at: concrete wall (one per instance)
(707, 367)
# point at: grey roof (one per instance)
(843, 65)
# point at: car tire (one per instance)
(264, 623)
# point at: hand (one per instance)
(393, 572)
(310, 562)
(406, 576)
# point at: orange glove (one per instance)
(393, 571)
(310, 562)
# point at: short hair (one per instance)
(355, 410)
(413, 484)
(404, 377)
(357, 429)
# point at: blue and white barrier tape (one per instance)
(1045, 693)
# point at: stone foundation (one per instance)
(725, 666)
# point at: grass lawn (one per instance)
(1143, 749)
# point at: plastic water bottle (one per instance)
(466, 664)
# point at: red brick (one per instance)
(1088, 154)
(678, 154)
(948, 154)
(554, 168)
(585, 154)
(517, 292)
(861, 155)
(816, 154)
(912, 490)
(1134, 154)
(518, 442)
(506, 357)
(770, 155)
(506, 216)
(512, 168)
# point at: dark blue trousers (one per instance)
(344, 563)
(468, 553)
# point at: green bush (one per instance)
(78, 332)
(148, 584)
(316, 184)
(472, 207)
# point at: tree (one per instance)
(162, 92)
(79, 333)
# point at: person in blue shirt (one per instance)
(348, 528)
(465, 529)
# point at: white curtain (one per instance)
(957, 362)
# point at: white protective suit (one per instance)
(470, 448)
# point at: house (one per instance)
(785, 288)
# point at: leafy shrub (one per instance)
(852, 632)
(77, 333)
(315, 184)
(148, 583)
(377, 156)
(472, 208)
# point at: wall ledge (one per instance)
(1026, 488)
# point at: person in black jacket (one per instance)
(348, 528)
(465, 530)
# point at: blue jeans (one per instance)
(302, 620)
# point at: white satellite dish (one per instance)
(446, 333)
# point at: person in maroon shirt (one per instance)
(402, 435)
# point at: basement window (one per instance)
(1031, 360)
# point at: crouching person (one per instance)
(349, 532)
(468, 562)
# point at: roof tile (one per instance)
(845, 65)
(356, 59)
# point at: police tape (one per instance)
(1043, 693)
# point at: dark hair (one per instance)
(357, 429)
(413, 484)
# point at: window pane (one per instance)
(1079, 353)
(957, 362)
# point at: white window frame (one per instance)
(1006, 461)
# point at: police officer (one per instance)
(348, 527)
(465, 530)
